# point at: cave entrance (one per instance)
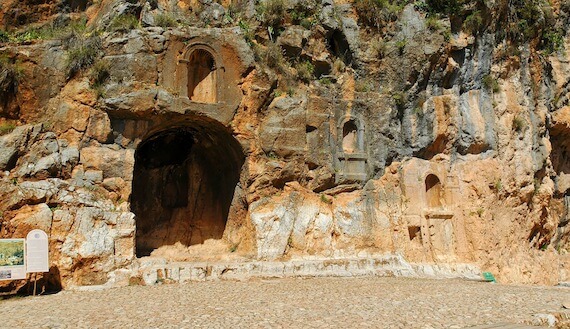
(183, 185)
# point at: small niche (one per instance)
(202, 77)
(349, 137)
(339, 47)
(415, 233)
(433, 191)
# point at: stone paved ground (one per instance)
(288, 303)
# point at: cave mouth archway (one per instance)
(433, 191)
(183, 185)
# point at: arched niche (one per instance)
(351, 133)
(433, 191)
(349, 137)
(201, 74)
(351, 157)
(202, 77)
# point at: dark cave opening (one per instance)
(339, 47)
(183, 185)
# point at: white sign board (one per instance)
(12, 260)
(37, 252)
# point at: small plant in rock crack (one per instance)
(490, 83)
(271, 13)
(305, 71)
(82, 53)
(377, 48)
(6, 128)
(473, 22)
(11, 72)
(326, 200)
(519, 124)
(4, 36)
(99, 75)
(401, 46)
(498, 185)
(164, 20)
(433, 23)
(124, 23)
(480, 212)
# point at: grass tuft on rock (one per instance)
(124, 23)
(82, 54)
(165, 21)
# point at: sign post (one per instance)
(37, 253)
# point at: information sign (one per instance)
(37, 252)
(12, 260)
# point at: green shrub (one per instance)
(378, 48)
(164, 21)
(491, 83)
(99, 75)
(29, 35)
(377, 13)
(305, 13)
(235, 10)
(519, 124)
(274, 58)
(433, 23)
(473, 22)
(6, 128)
(326, 200)
(363, 86)
(124, 23)
(399, 99)
(305, 71)
(445, 7)
(10, 75)
(51, 31)
(447, 35)
(272, 13)
(401, 45)
(498, 185)
(248, 33)
(552, 41)
(421, 5)
(82, 53)
(338, 66)
(4, 36)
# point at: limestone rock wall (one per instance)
(442, 150)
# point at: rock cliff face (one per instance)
(271, 131)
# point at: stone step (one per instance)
(156, 271)
(505, 326)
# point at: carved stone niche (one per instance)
(203, 73)
(351, 160)
(205, 69)
(432, 224)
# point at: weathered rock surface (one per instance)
(311, 133)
